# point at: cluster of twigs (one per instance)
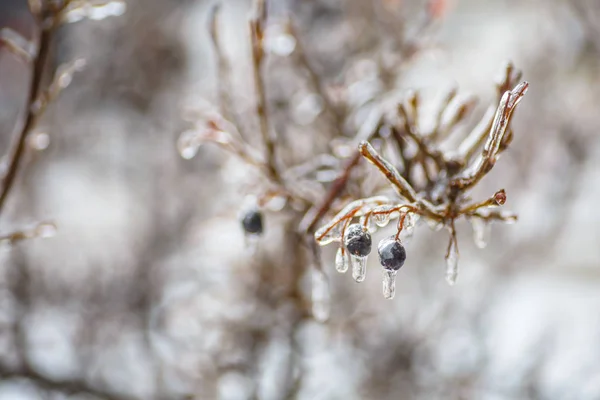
(430, 184)
(45, 86)
(439, 195)
(49, 16)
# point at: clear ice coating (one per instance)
(95, 11)
(452, 264)
(408, 228)
(341, 261)
(481, 232)
(333, 235)
(359, 268)
(321, 297)
(389, 283)
(368, 223)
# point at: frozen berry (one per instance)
(357, 240)
(252, 222)
(391, 254)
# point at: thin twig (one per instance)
(224, 72)
(390, 172)
(32, 114)
(68, 387)
(258, 54)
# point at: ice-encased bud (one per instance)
(392, 253)
(357, 240)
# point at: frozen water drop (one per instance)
(452, 264)
(321, 296)
(39, 140)
(389, 283)
(359, 268)
(45, 230)
(481, 232)
(382, 215)
(188, 144)
(280, 42)
(341, 261)
(276, 203)
(64, 80)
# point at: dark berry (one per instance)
(252, 222)
(357, 240)
(391, 254)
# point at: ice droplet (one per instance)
(359, 268)
(276, 203)
(381, 215)
(45, 230)
(279, 42)
(341, 261)
(188, 144)
(389, 283)
(39, 140)
(481, 232)
(452, 264)
(321, 296)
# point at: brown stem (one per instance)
(334, 191)
(258, 55)
(18, 148)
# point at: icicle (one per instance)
(359, 268)
(481, 231)
(389, 283)
(452, 264)
(321, 296)
(341, 261)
